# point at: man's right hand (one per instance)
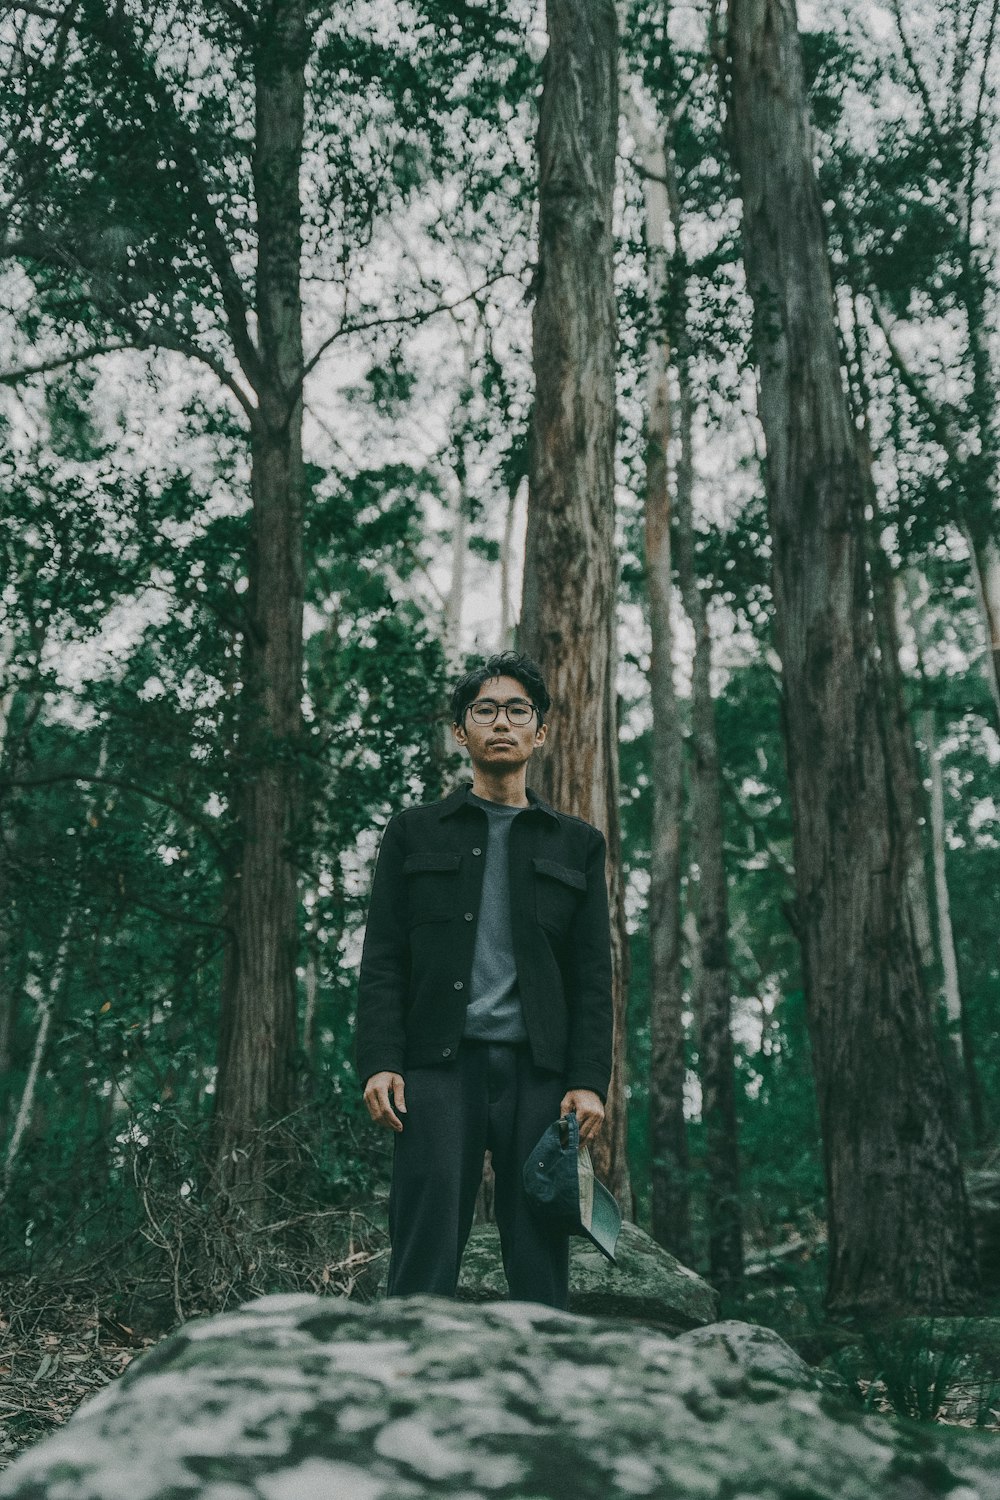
(377, 1091)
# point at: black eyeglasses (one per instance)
(484, 711)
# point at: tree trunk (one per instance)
(984, 561)
(952, 993)
(668, 1146)
(966, 1079)
(901, 748)
(940, 976)
(257, 1038)
(954, 1000)
(568, 612)
(456, 590)
(506, 548)
(713, 989)
(713, 1002)
(899, 1233)
(46, 1007)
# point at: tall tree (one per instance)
(258, 1027)
(913, 219)
(668, 1145)
(713, 990)
(164, 169)
(568, 610)
(898, 1218)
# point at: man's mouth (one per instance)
(501, 744)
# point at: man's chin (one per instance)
(503, 755)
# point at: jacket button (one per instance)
(458, 985)
(446, 1052)
(468, 916)
(477, 851)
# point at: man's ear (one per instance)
(459, 733)
(540, 734)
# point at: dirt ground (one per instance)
(56, 1349)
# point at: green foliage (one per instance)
(118, 829)
(918, 1368)
(127, 190)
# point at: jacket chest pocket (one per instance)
(431, 887)
(558, 892)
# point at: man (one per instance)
(484, 1005)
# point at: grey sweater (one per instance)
(494, 1010)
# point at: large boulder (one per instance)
(303, 1398)
(761, 1352)
(647, 1285)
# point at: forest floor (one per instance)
(57, 1347)
(61, 1344)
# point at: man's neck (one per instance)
(508, 788)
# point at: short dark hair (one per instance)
(504, 664)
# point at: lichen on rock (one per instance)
(306, 1398)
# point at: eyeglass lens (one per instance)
(485, 711)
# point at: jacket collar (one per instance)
(459, 798)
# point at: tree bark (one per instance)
(984, 561)
(713, 996)
(949, 965)
(712, 975)
(257, 1037)
(668, 1145)
(568, 611)
(899, 1233)
(506, 548)
(965, 1077)
(901, 749)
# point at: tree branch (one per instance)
(37, 247)
(976, 133)
(59, 362)
(240, 18)
(112, 32)
(170, 340)
(180, 917)
(413, 319)
(41, 11)
(942, 420)
(918, 78)
(115, 34)
(50, 778)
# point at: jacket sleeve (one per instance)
(588, 1063)
(384, 964)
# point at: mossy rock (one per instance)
(307, 1398)
(648, 1285)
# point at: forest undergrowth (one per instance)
(73, 1322)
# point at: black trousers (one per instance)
(492, 1097)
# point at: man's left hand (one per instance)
(589, 1112)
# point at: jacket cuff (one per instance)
(381, 1062)
(589, 1076)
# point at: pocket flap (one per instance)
(416, 863)
(575, 878)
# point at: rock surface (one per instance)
(303, 1398)
(763, 1354)
(647, 1285)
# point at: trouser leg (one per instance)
(436, 1172)
(523, 1102)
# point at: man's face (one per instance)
(500, 745)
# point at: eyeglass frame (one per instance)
(511, 703)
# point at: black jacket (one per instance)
(417, 960)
